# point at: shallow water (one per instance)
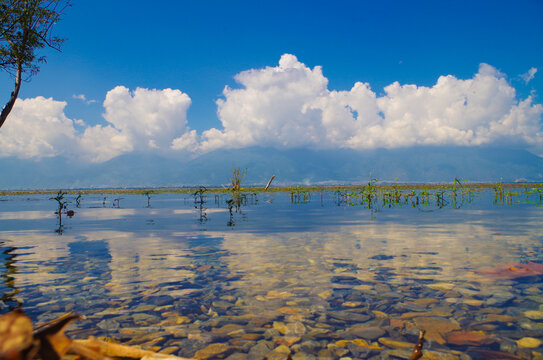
(309, 274)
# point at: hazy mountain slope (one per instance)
(296, 166)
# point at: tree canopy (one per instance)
(26, 27)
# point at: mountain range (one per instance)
(291, 167)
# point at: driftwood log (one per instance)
(269, 183)
(19, 341)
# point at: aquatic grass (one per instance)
(539, 191)
(509, 196)
(78, 200)
(62, 207)
(236, 178)
(498, 193)
(300, 196)
(257, 189)
(235, 203)
(200, 199)
(117, 202)
(200, 195)
(148, 195)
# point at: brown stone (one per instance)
(367, 332)
(423, 302)
(288, 310)
(228, 328)
(237, 356)
(251, 336)
(283, 349)
(169, 350)
(436, 328)
(296, 328)
(397, 323)
(393, 344)
(473, 338)
(274, 294)
(352, 304)
(287, 340)
(211, 351)
(277, 356)
(436, 312)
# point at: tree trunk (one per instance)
(7, 109)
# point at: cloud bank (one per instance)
(142, 120)
(291, 106)
(285, 106)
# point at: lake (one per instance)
(311, 274)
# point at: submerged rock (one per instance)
(528, 342)
(367, 332)
(212, 350)
(472, 338)
(259, 351)
(109, 325)
(237, 356)
(349, 316)
(436, 328)
(534, 314)
(395, 344)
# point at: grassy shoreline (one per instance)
(254, 189)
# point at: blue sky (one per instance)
(198, 47)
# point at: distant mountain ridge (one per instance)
(294, 166)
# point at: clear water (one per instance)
(180, 276)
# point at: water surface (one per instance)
(318, 275)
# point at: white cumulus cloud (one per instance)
(38, 127)
(141, 120)
(529, 75)
(284, 106)
(290, 105)
(83, 98)
(271, 109)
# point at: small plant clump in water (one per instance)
(375, 196)
(199, 201)
(78, 200)
(148, 194)
(62, 209)
(237, 177)
(200, 195)
(539, 191)
(300, 196)
(498, 193)
(117, 202)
